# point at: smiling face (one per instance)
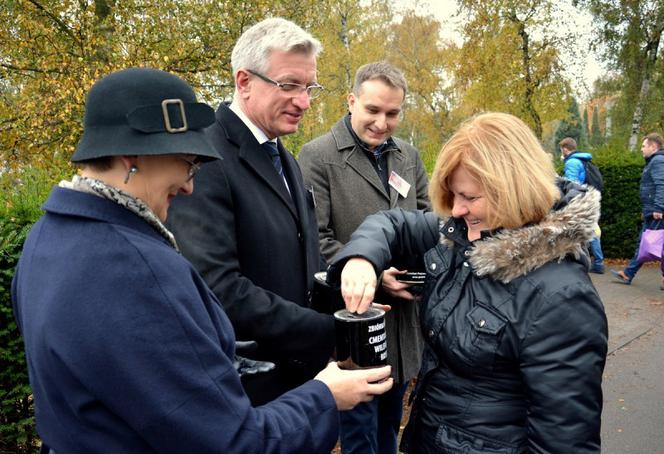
(469, 202)
(375, 112)
(159, 179)
(273, 110)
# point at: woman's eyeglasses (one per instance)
(193, 167)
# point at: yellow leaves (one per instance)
(447, 83)
(497, 69)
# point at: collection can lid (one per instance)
(372, 313)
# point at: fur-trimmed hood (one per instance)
(563, 232)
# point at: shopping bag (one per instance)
(650, 248)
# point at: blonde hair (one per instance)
(516, 175)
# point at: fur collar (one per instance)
(564, 231)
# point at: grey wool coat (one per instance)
(346, 190)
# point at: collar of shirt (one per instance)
(260, 136)
(388, 144)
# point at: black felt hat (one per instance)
(143, 111)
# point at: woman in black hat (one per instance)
(127, 348)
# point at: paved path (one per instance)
(633, 384)
(629, 307)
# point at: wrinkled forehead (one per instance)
(291, 66)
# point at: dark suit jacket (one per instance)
(257, 248)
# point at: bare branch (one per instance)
(61, 25)
(29, 69)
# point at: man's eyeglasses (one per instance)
(193, 167)
(313, 90)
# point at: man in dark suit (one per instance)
(250, 226)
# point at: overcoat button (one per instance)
(466, 253)
(481, 323)
(465, 263)
(431, 333)
(433, 266)
(450, 229)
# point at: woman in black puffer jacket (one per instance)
(516, 333)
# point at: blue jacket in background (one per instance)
(652, 185)
(129, 351)
(574, 169)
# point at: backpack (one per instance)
(593, 175)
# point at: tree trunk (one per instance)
(651, 59)
(343, 35)
(104, 30)
(528, 104)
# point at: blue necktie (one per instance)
(271, 148)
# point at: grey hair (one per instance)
(383, 71)
(253, 48)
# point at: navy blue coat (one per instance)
(652, 185)
(128, 350)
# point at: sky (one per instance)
(587, 70)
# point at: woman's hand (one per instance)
(358, 284)
(395, 288)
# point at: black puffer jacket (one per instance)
(516, 333)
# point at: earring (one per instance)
(132, 169)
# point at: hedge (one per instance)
(20, 201)
(621, 208)
(17, 431)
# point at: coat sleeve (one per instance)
(574, 170)
(562, 360)
(205, 226)
(658, 181)
(388, 236)
(315, 175)
(160, 361)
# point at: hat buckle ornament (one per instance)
(167, 117)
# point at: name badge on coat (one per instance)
(399, 184)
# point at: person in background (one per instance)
(250, 229)
(357, 169)
(127, 348)
(515, 332)
(652, 201)
(574, 170)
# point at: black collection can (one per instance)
(361, 338)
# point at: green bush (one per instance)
(621, 207)
(20, 199)
(17, 431)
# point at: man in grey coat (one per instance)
(356, 170)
